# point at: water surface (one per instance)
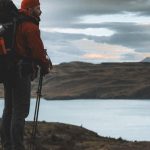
(129, 119)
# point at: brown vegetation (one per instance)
(58, 136)
(78, 80)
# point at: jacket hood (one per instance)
(29, 3)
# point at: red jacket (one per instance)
(29, 43)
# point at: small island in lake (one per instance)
(79, 80)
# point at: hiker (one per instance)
(17, 86)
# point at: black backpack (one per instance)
(9, 19)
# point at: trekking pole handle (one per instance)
(48, 58)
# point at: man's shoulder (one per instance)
(27, 21)
(29, 26)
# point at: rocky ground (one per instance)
(78, 80)
(58, 136)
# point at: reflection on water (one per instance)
(129, 119)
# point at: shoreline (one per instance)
(60, 136)
(99, 116)
(88, 99)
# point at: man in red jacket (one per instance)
(17, 88)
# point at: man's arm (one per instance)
(36, 46)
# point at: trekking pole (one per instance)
(36, 113)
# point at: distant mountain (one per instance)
(147, 59)
(79, 80)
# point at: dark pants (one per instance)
(16, 109)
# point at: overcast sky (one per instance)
(95, 30)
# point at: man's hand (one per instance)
(46, 68)
(50, 64)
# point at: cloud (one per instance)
(132, 56)
(100, 56)
(103, 51)
(114, 48)
(86, 31)
(129, 35)
(125, 17)
(101, 47)
(115, 29)
(66, 12)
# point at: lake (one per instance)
(129, 119)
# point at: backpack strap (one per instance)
(24, 18)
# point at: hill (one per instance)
(58, 136)
(147, 59)
(78, 80)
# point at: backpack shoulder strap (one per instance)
(23, 18)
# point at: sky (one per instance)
(95, 31)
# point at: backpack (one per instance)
(9, 19)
